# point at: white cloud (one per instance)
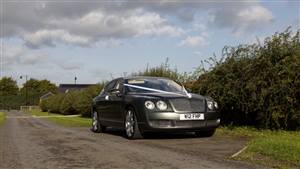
(49, 23)
(198, 53)
(99, 26)
(194, 41)
(48, 37)
(242, 18)
(21, 56)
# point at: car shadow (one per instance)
(156, 135)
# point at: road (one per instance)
(31, 143)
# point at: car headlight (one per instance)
(149, 105)
(216, 105)
(161, 105)
(210, 105)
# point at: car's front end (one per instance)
(178, 113)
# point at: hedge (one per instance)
(73, 102)
(257, 84)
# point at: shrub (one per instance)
(54, 103)
(84, 101)
(67, 106)
(73, 102)
(257, 84)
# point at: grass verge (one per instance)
(274, 149)
(2, 117)
(63, 120)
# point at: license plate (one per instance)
(192, 116)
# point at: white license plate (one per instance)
(192, 116)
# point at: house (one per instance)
(45, 96)
(65, 88)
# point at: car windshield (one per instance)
(145, 85)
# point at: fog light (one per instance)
(218, 121)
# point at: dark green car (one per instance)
(148, 104)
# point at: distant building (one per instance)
(45, 96)
(65, 88)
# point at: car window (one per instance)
(119, 85)
(110, 86)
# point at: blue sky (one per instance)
(95, 40)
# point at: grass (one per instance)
(2, 117)
(63, 121)
(274, 149)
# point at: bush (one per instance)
(74, 102)
(83, 103)
(54, 103)
(67, 106)
(257, 84)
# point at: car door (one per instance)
(103, 102)
(116, 103)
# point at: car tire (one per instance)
(207, 133)
(132, 130)
(96, 125)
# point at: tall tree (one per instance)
(34, 89)
(8, 86)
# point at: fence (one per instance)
(29, 108)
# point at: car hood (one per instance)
(167, 95)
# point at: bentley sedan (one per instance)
(147, 104)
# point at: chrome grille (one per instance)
(184, 104)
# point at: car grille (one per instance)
(177, 123)
(183, 104)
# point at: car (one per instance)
(139, 105)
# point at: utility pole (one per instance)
(75, 79)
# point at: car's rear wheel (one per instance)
(207, 133)
(131, 125)
(96, 125)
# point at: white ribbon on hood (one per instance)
(160, 91)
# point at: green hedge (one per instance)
(74, 102)
(258, 84)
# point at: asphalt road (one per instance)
(31, 143)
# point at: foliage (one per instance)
(164, 70)
(35, 89)
(257, 84)
(8, 86)
(8, 89)
(2, 117)
(74, 102)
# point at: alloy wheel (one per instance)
(130, 123)
(95, 121)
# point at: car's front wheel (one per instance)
(131, 125)
(96, 125)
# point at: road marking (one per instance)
(38, 117)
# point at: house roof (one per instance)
(46, 95)
(64, 88)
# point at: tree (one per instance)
(8, 90)
(36, 88)
(8, 86)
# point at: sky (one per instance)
(101, 40)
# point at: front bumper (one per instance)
(167, 121)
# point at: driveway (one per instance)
(31, 143)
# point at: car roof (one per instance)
(143, 77)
